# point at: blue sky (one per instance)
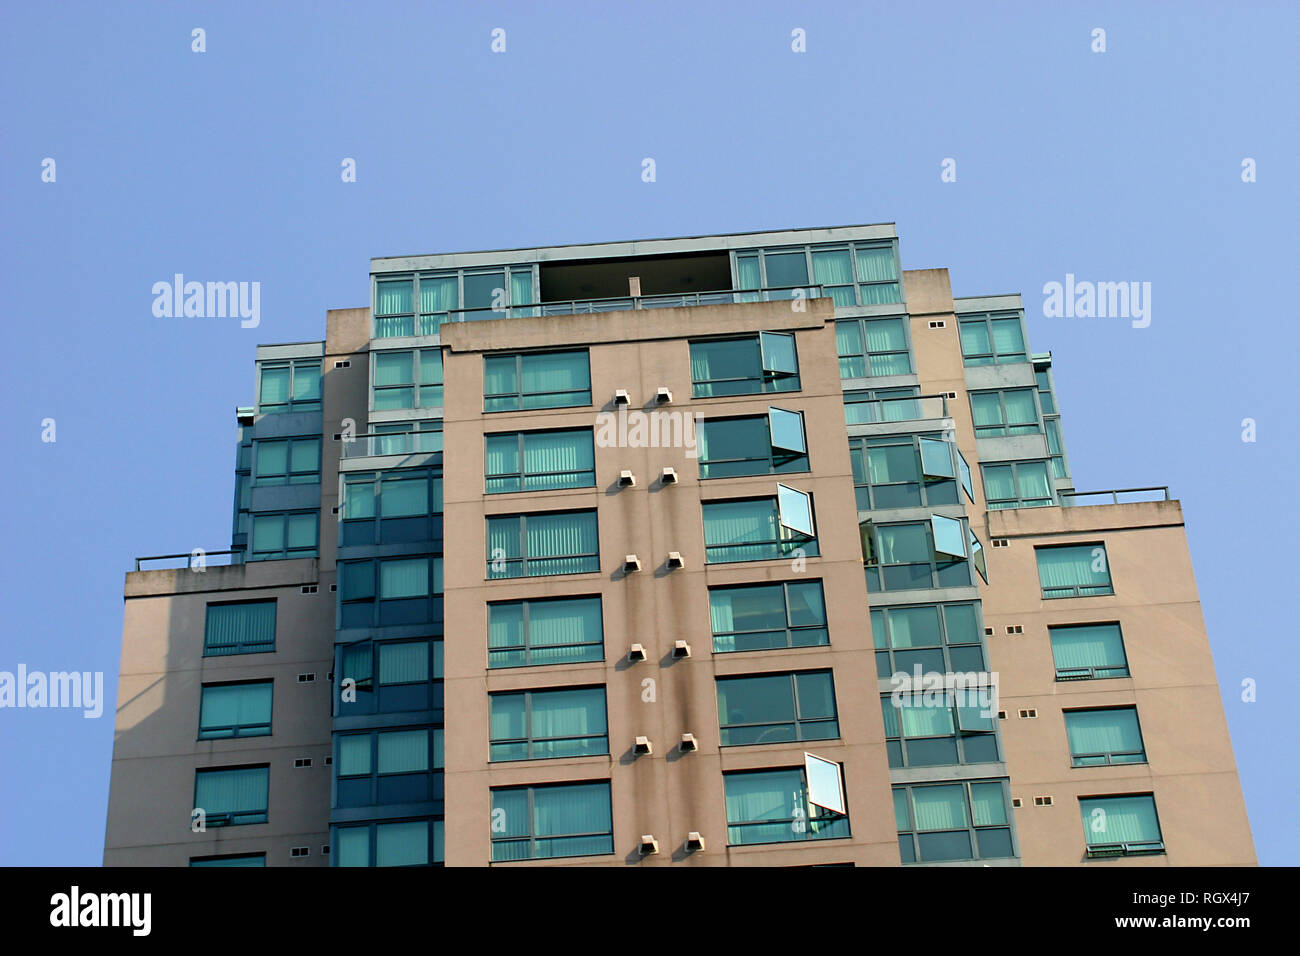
(225, 165)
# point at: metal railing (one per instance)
(904, 408)
(189, 556)
(395, 443)
(430, 323)
(1068, 496)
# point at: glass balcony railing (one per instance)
(396, 443)
(429, 324)
(1069, 499)
(908, 408)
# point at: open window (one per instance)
(786, 431)
(825, 783)
(778, 353)
(795, 510)
(977, 557)
(936, 458)
(948, 537)
(868, 536)
(967, 484)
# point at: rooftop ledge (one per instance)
(1091, 511)
(292, 572)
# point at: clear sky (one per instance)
(225, 165)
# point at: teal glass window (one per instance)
(1018, 484)
(390, 677)
(877, 267)
(1052, 426)
(390, 591)
(744, 365)
(777, 708)
(833, 271)
(1045, 399)
(244, 859)
(548, 542)
(1012, 411)
(529, 380)
(409, 437)
(390, 507)
(1088, 651)
(397, 843)
(232, 796)
(539, 461)
(902, 471)
(246, 627)
(546, 822)
(754, 445)
(235, 710)
(538, 724)
(1073, 570)
(406, 379)
(869, 346)
(932, 730)
(750, 530)
(992, 338)
(1121, 825)
(906, 556)
(549, 631)
(287, 461)
(937, 638)
(758, 617)
(902, 404)
(281, 536)
(421, 304)
(288, 386)
(958, 821)
(771, 806)
(388, 767)
(849, 273)
(1108, 735)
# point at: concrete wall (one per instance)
(666, 794)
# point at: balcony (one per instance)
(1070, 499)
(191, 560)
(888, 411)
(430, 324)
(395, 443)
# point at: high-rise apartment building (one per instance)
(733, 550)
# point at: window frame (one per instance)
(790, 629)
(294, 366)
(882, 638)
(866, 355)
(1003, 429)
(376, 601)
(524, 558)
(380, 522)
(433, 774)
(860, 283)
(424, 324)
(814, 818)
(777, 461)
(436, 849)
(798, 722)
(242, 648)
(285, 553)
(532, 837)
(900, 752)
(785, 545)
(525, 606)
(585, 477)
(995, 357)
(289, 474)
(372, 685)
(873, 528)
(1075, 589)
(946, 487)
(230, 815)
(519, 359)
(913, 832)
(529, 739)
(1121, 848)
(1078, 760)
(237, 731)
(416, 386)
(1010, 504)
(1091, 668)
(769, 380)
